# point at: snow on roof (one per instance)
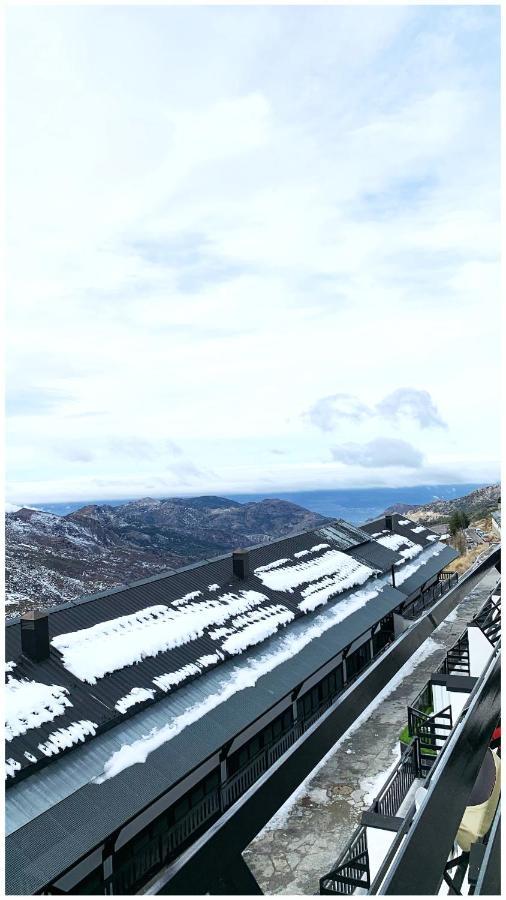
(412, 551)
(271, 565)
(343, 567)
(11, 766)
(136, 695)
(244, 675)
(404, 522)
(29, 704)
(111, 645)
(317, 594)
(260, 625)
(418, 529)
(167, 681)
(411, 568)
(394, 541)
(64, 738)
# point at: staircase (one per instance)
(489, 620)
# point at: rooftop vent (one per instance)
(388, 522)
(240, 563)
(35, 635)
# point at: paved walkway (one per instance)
(306, 836)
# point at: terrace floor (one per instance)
(305, 837)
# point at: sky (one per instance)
(250, 249)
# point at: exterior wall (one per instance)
(480, 651)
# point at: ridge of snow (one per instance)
(167, 681)
(317, 594)
(64, 738)
(29, 704)
(136, 695)
(11, 767)
(272, 565)
(268, 621)
(334, 562)
(239, 679)
(93, 652)
(412, 551)
(409, 569)
(394, 541)
(191, 596)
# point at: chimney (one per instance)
(35, 635)
(240, 563)
(388, 522)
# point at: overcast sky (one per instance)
(251, 249)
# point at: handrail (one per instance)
(408, 768)
(349, 872)
(435, 825)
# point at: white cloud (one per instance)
(217, 215)
(379, 453)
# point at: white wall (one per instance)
(480, 650)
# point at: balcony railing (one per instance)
(160, 848)
(489, 620)
(456, 661)
(446, 581)
(351, 870)
(393, 793)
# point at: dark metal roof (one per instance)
(75, 814)
(417, 537)
(430, 568)
(96, 703)
(46, 845)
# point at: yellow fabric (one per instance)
(477, 820)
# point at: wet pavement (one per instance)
(305, 837)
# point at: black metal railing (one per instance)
(489, 620)
(160, 848)
(432, 730)
(445, 582)
(423, 701)
(351, 870)
(393, 793)
(456, 661)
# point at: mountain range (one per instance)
(476, 504)
(52, 559)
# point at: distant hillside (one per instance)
(477, 505)
(51, 559)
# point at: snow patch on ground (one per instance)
(372, 786)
